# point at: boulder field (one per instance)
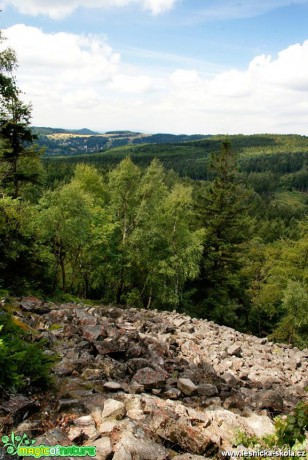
(151, 385)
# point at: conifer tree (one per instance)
(219, 288)
(19, 160)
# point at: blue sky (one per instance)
(218, 66)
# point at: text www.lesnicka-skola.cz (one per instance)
(264, 453)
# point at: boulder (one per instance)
(150, 378)
(187, 387)
(103, 448)
(113, 409)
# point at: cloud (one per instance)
(58, 9)
(233, 9)
(131, 84)
(79, 80)
(63, 57)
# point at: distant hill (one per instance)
(84, 131)
(58, 141)
(42, 130)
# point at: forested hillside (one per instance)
(216, 228)
(57, 141)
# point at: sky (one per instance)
(176, 66)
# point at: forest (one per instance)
(216, 228)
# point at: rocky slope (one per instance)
(147, 385)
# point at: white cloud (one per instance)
(131, 84)
(76, 81)
(58, 9)
(62, 57)
(232, 9)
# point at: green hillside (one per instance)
(268, 162)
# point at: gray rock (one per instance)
(235, 349)
(269, 399)
(20, 408)
(151, 378)
(112, 386)
(113, 409)
(207, 389)
(172, 393)
(229, 378)
(187, 387)
(140, 448)
(103, 448)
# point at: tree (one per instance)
(64, 223)
(279, 293)
(164, 250)
(124, 181)
(19, 161)
(8, 63)
(219, 288)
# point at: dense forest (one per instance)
(216, 227)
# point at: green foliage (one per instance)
(293, 327)
(293, 429)
(243, 439)
(222, 213)
(290, 433)
(18, 248)
(19, 161)
(22, 363)
(279, 276)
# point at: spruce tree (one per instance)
(19, 160)
(218, 292)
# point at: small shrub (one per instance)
(290, 433)
(22, 363)
(293, 428)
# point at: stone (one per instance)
(235, 349)
(150, 378)
(136, 388)
(187, 387)
(261, 425)
(269, 399)
(20, 408)
(113, 409)
(134, 364)
(53, 437)
(179, 432)
(68, 405)
(207, 389)
(83, 427)
(93, 332)
(112, 386)
(229, 378)
(107, 427)
(140, 448)
(35, 305)
(172, 393)
(109, 346)
(92, 374)
(103, 448)
(122, 454)
(85, 420)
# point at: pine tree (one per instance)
(19, 160)
(219, 288)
